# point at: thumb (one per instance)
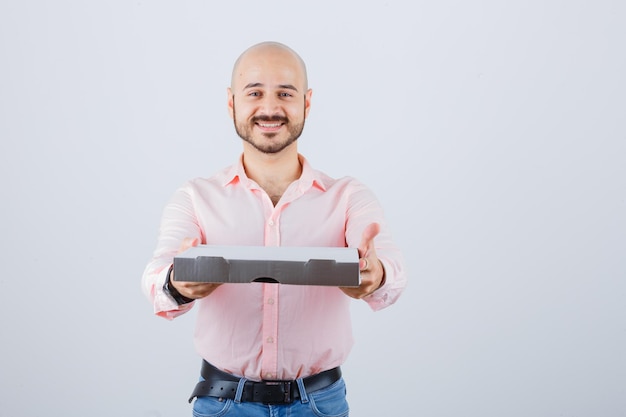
(188, 242)
(367, 239)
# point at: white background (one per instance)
(492, 132)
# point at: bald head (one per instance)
(268, 53)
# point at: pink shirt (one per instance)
(272, 331)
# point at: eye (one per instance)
(254, 94)
(284, 94)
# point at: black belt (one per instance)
(224, 385)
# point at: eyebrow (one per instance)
(283, 86)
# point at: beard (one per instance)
(244, 130)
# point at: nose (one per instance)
(270, 105)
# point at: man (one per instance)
(252, 335)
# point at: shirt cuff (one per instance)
(164, 305)
(382, 298)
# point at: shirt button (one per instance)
(271, 222)
(270, 301)
(270, 339)
(269, 375)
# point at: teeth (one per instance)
(269, 124)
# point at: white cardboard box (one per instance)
(278, 264)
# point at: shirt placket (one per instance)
(269, 363)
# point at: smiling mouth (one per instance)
(270, 125)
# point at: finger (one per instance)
(364, 264)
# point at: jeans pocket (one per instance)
(330, 401)
(211, 406)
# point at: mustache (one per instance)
(264, 118)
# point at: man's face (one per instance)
(268, 100)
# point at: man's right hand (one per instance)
(193, 290)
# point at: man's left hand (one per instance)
(372, 271)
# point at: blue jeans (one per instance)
(327, 402)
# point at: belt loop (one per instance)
(304, 398)
(239, 393)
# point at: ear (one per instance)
(231, 104)
(307, 102)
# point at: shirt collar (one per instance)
(309, 177)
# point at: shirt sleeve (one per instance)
(177, 222)
(363, 210)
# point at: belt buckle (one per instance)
(276, 392)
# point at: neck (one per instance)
(273, 172)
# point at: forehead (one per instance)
(270, 68)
